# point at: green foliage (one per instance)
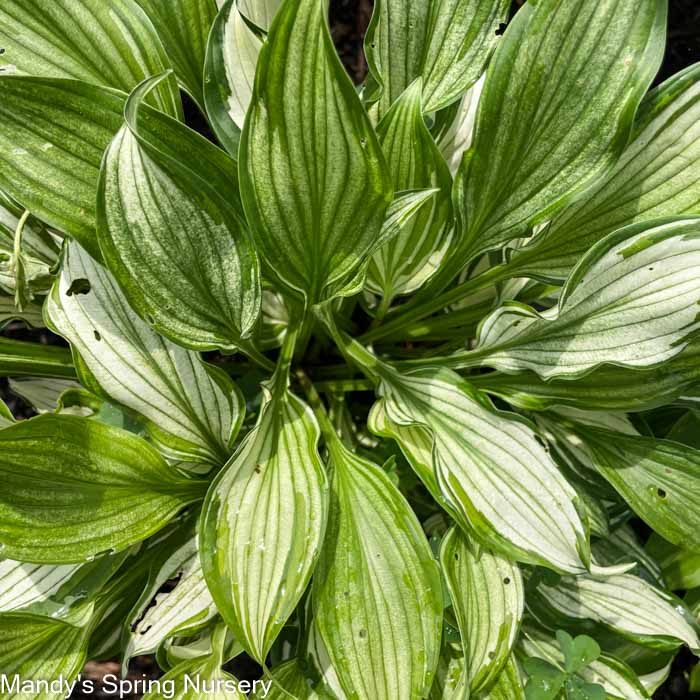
(451, 325)
(548, 681)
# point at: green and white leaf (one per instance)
(52, 136)
(448, 683)
(104, 43)
(377, 592)
(290, 678)
(607, 388)
(258, 566)
(191, 412)
(36, 648)
(623, 545)
(158, 616)
(183, 27)
(654, 679)
(626, 604)
(618, 679)
(42, 394)
(446, 42)
(630, 302)
(172, 232)
(259, 12)
(508, 685)
(313, 178)
(204, 673)
(485, 466)
(229, 73)
(74, 488)
(326, 681)
(457, 138)
(659, 479)
(542, 133)
(52, 590)
(404, 263)
(657, 175)
(488, 600)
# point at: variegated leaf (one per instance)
(542, 133)
(315, 220)
(377, 592)
(410, 258)
(659, 479)
(607, 388)
(36, 648)
(624, 603)
(485, 466)
(488, 599)
(446, 42)
(54, 171)
(229, 73)
(457, 137)
(192, 411)
(618, 679)
(31, 314)
(202, 678)
(52, 589)
(257, 565)
(39, 252)
(21, 359)
(172, 233)
(509, 684)
(630, 302)
(111, 44)
(657, 175)
(158, 616)
(74, 488)
(183, 27)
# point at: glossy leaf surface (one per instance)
(488, 600)
(377, 592)
(486, 467)
(314, 218)
(257, 565)
(191, 412)
(74, 488)
(172, 232)
(111, 44)
(541, 132)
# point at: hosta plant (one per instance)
(391, 389)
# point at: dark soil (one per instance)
(349, 19)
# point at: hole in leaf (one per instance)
(456, 556)
(501, 28)
(362, 634)
(661, 493)
(79, 286)
(150, 320)
(2, 51)
(97, 335)
(506, 580)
